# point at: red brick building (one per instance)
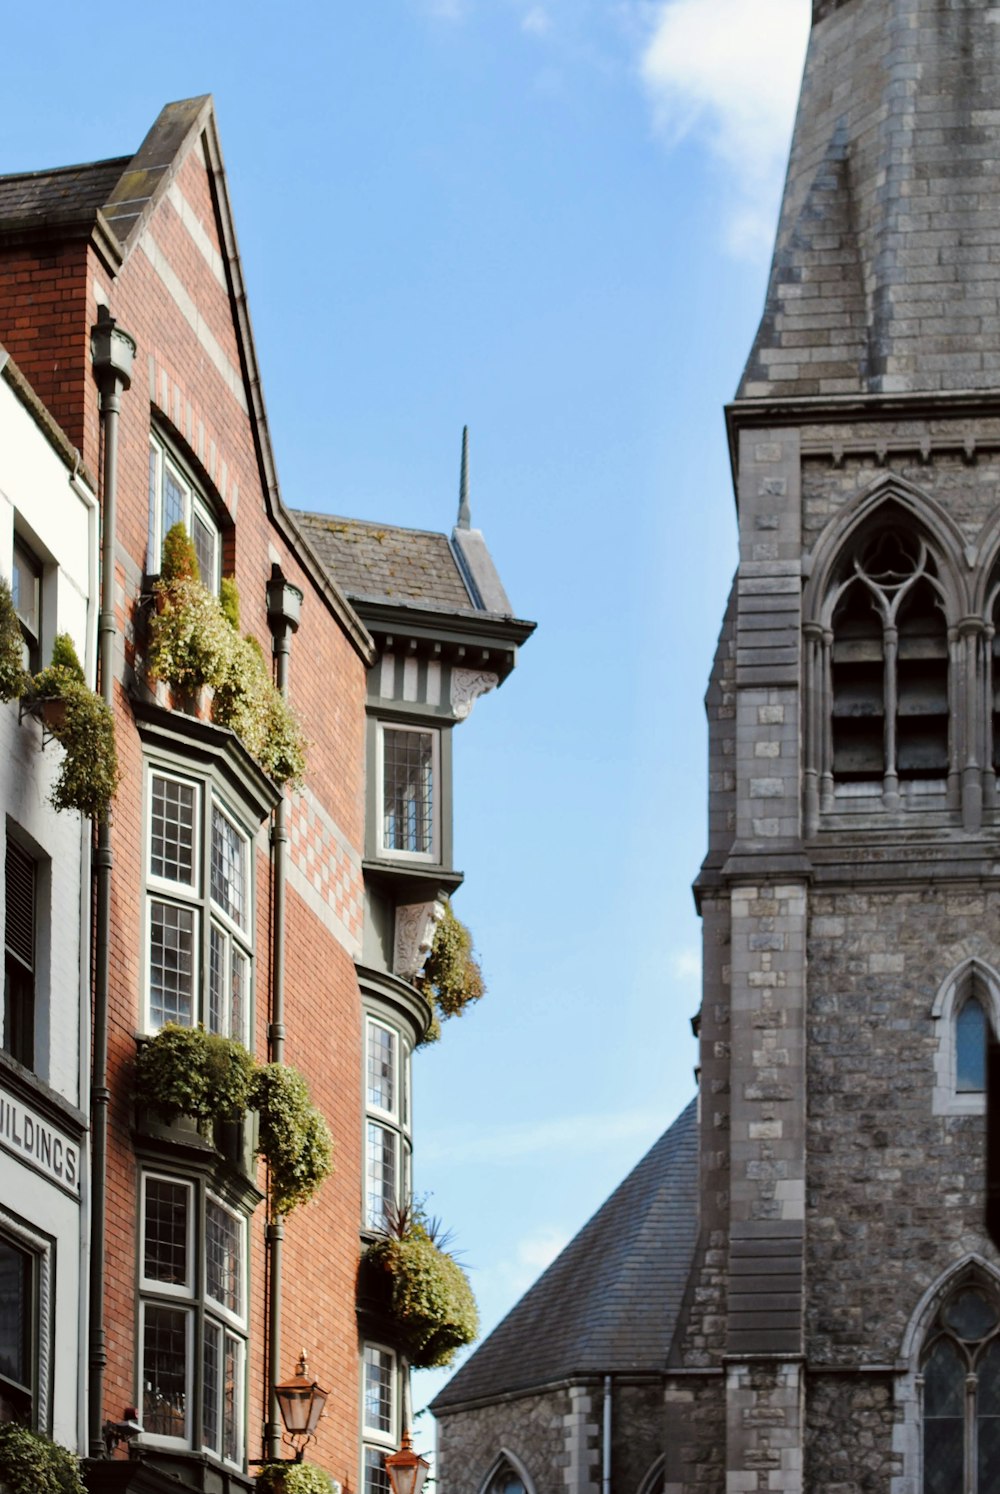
(267, 914)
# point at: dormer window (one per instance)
(174, 499)
(409, 773)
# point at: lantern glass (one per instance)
(407, 1470)
(301, 1402)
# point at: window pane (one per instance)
(232, 1421)
(211, 1370)
(164, 1371)
(944, 1420)
(171, 849)
(205, 548)
(223, 1251)
(988, 1408)
(171, 964)
(216, 980)
(408, 791)
(378, 1390)
(19, 912)
(152, 563)
(165, 1242)
(173, 503)
(381, 1174)
(381, 1067)
(970, 1316)
(970, 1048)
(15, 1313)
(228, 868)
(240, 994)
(26, 591)
(376, 1478)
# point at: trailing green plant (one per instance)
(188, 1071)
(188, 632)
(293, 1478)
(32, 1464)
(452, 978)
(13, 677)
(293, 1137)
(84, 727)
(430, 1296)
(194, 640)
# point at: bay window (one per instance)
(409, 770)
(198, 908)
(193, 1350)
(387, 1123)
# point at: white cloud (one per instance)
(517, 1272)
(536, 21)
(685, 964)
(520, 1140)
(728, 72)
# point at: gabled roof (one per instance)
(114, 200)
(610, 1301)
(67, 193)
(383, 562)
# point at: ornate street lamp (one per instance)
(406, 1469)
(301, 1403)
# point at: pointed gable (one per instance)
(886, 275)
(610, 1301)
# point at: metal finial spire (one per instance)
(464, 514)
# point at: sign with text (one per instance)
(30, 1138)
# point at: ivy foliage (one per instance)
(293, 1137)
(430, 1296)
(31, 1464)
(293, 1478)
(13, 679)
(452, 978)
(195, 640)
(84, 728)
(188, 1071)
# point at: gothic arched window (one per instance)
(889, 664)
(960, 1370)
(966, 1008)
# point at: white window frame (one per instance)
(433, 856)
(197, 897)
(194, 504)
(395, 1122)
(193, 1299)
(386, 1440)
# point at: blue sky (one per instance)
(550, 220)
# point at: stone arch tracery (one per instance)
(888, 651)
(506, 1475)
(948, 1431)
(966, 1006)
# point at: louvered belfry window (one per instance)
(19, 963)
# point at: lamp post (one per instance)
(406, 1469)
(301, 1402)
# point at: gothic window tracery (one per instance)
(890, 664)
(960, 1371)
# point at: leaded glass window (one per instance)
(970, 1048)
(376, 1478)
(174, 499)
(204, 1324)
(409, 760)
(199, 911)
(383, 1177)
(961, 1393)
(380, 1380)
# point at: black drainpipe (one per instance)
(284, 605)
(112, 351)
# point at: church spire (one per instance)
(464, 513)
(882, 267)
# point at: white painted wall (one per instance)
(56, 515)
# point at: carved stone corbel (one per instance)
(466, 687)
(415, 925)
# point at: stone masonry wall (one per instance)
(530, 1427)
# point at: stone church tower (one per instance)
(840, 1328)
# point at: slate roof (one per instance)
(383, 562)
(68, 192)
(885, 278)
(610, 1301)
